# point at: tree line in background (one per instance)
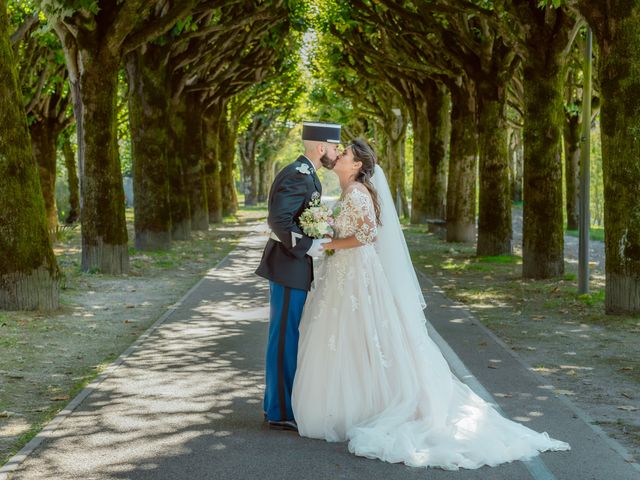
(487, 93)
(492, 92)
(193, 72)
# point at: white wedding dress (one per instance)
(369, 373)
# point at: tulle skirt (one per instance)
(368, 373)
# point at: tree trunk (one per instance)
(43, 140)
(463, 160)
(178, 192)
(149, 123)
(395, 129)
(438, 111)
(104, 232)
(516, 155)
(264, 169)
(193, 154)
(29, 275)
(227, 157)
(543, 232)
(421, 165)
(572, 131)
(247, 150)
(211, 121)
(494, 220)
(617, 28)
(72, 180)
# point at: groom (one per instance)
(287, 264)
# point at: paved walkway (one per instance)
(185, 402)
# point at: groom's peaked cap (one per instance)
(321, 132)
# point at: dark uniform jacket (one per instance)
(290, 194)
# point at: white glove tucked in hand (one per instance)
(316, 247)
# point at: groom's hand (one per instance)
(316, 247)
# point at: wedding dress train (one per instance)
(369, 373)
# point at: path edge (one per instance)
(14, 462)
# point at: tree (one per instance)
(543, 91)
(96, 34)
(72, 179)
(616, 25)
(265, 107)
(43, 79)
(29, 275)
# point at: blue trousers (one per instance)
(282, 349)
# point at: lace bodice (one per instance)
(356, 216)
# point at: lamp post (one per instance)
(585, 152)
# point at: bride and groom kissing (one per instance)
(348, 354)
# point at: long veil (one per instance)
(392, 248)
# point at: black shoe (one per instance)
(283, 425)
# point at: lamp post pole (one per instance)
(585, 152)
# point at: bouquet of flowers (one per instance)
(317, 220)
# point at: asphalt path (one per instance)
(184, 402)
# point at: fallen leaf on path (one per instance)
(60, 397)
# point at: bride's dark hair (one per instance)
(362, 152)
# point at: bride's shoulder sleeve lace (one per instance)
(361, 208)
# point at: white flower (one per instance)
(304, 168)
(314, 195)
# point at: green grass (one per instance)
(593, 298)
(595, 233)
(504, 259)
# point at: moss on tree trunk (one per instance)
(421, 165)
(516, 157)
(227, 166)
(178, 193)
(617, 28)
(148, 118)
(572, 131)
(264, 179)
(104, 232)
(193, 161)
(43, 140)
(29, 275)
(543, 232)
(247, 150)
(72, 180)
(463, 158)
(494, 219)
(212, 164)
(439, 120)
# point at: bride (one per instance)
(367, 370)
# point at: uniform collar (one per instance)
(313, 167)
